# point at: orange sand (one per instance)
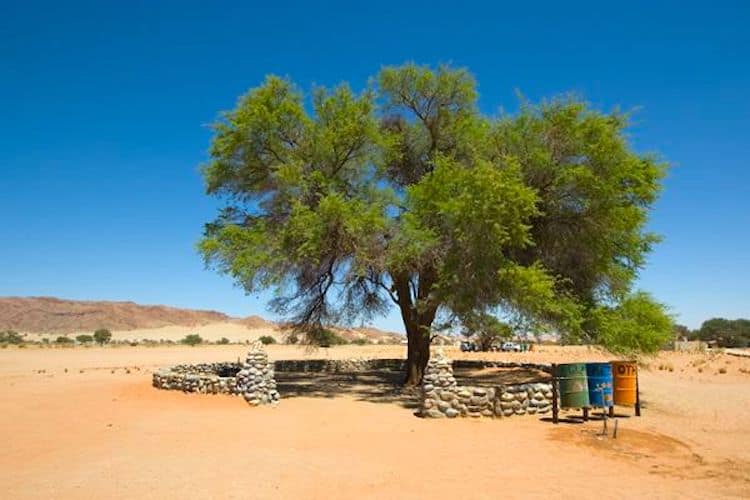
(99, 434)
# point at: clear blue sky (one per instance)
(105, 106)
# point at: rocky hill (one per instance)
(48, 315)
(51, 315)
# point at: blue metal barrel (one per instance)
(599, 377)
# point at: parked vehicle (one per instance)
(469, 346)
(511, 347)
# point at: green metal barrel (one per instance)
(574, 387)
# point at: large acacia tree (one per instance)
(406, 195)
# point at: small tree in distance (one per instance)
(85, 339)
(10, 337)
(102, 336)
(485, 330)
(267, 340)
(192, 339)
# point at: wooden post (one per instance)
(637, 394)
(585, 414)
(555, 407)
(612, 411)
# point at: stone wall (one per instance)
(442, 397)
(254, 379)
(337, 365)
(204, 378)
(222, 378)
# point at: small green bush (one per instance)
(326, 338)
(192, 339)
(63, 340)
(360, 341)
(84, 339)
(102, 336)
(223, 341)
(267, 339)
(10, 337)
(292, 338)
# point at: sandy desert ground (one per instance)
(91, 426)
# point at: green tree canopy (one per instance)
(406, 195)
(102, 336)
(726, 332)
(486, 329)
(192, 339)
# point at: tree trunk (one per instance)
(418, 319)
(418, 353)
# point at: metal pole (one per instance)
(637, 394)
(555, 407)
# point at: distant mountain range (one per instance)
(50, 315)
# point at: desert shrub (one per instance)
(360, 341)
(292, 338)
(267, 339)
(192, 339)
(63, 340)
(102, 336)
(223, 341)
(11, 337)
(722, 370)
(84, 339)
(325, 338)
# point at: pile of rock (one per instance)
(256, 381)
(438, 388)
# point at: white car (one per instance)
(511, 347)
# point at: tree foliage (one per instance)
(637, 324)
(486, 330)
(192, 339)
(102, 336)
(406, 195)
(84, 339)
(725, 332)
(11, 337)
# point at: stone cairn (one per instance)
(255, 381)
(438, 379)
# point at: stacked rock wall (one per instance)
(443, 397)
(254, 379)
(204, 378)
(337, 365)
